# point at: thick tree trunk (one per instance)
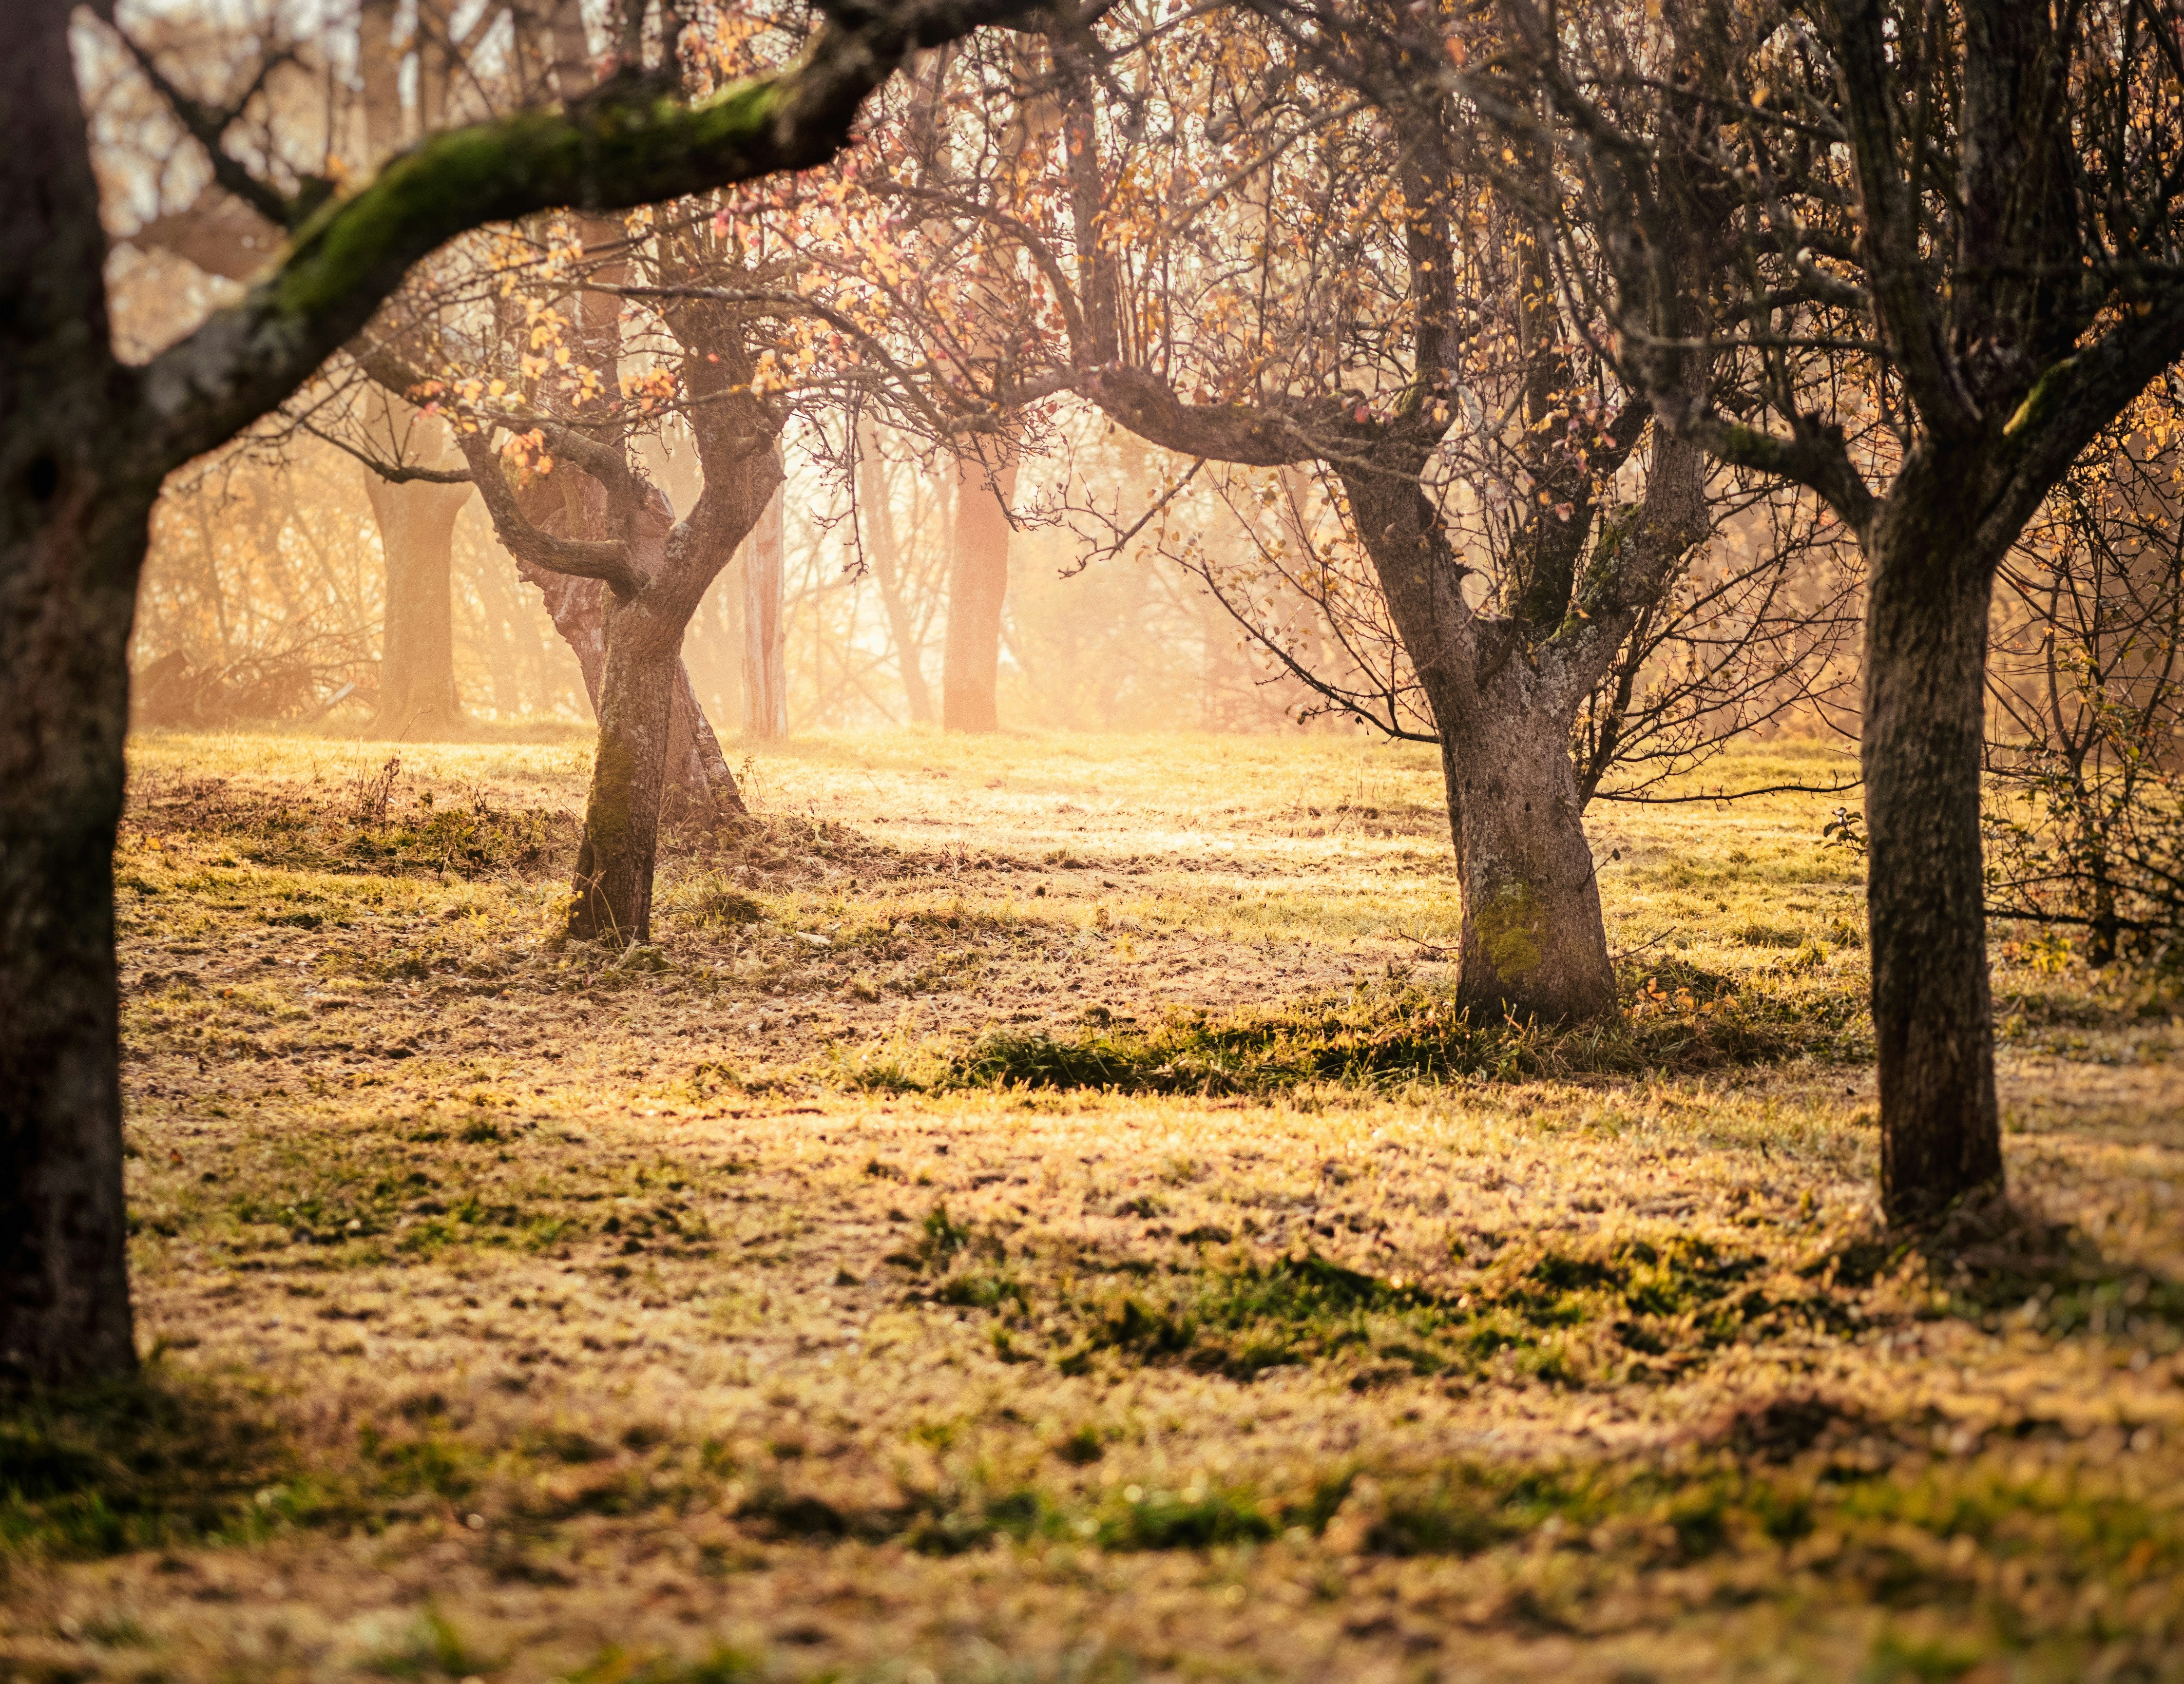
(68, 572)
(417, 655)
(766, 666)
(1532, 942)
(1925, 656)
(977, 586)
(75, 497)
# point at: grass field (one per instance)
(1031, 1214)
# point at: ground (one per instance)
(1029, 1212)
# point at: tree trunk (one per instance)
(765, 668)
(1532, 942)
(697, 771)
(1925, 656)
(621, 815)
(76, 499)
(68, 572)
(876, 495)
(417, 656)
(977, 585)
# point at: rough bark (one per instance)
(699, 778)
(1925, 658)
(1532, 941)
(638, 684)
(74, 504)
(978, 587)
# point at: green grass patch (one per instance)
(151, 1463)
(1391, 1036)
(1628, 1309)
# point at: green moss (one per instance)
(607, 814)
(1383, 1038)
(2041, 402)
(614, 154)
(1509, 928)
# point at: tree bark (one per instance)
(977, 586)
(1532, 942)
(75, 497)
(1926, 657)
(613, 883)
(698, 773)
(68, 569)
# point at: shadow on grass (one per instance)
(1391, 1036)
(152, 1462)
(1993, 1256)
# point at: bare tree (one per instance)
(2085, 687)
(1914, 258)
(1278, 247)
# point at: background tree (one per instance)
(2086, 684)
(1278, 247)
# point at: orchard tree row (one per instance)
(1560, 385)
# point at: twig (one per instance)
(1723, 795)
(1633, 952)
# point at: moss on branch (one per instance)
(610, 155)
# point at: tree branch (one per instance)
(1814, 455)
(208, 126)
(626, 142)
(585, 560)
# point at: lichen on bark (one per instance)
(1509, 929)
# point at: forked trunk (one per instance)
(1532, 942)
(698, 773)
(69, 550)
(417, 657)
(1926, 655)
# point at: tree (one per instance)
(1279, 248)
(876, 508)
(2085, 821)
(87, 444)
(655, 568)
(416, 522)
(1913, 258)
(406, 73)
(978, 587)
(766, 647)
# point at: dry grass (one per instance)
(734, 1309)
